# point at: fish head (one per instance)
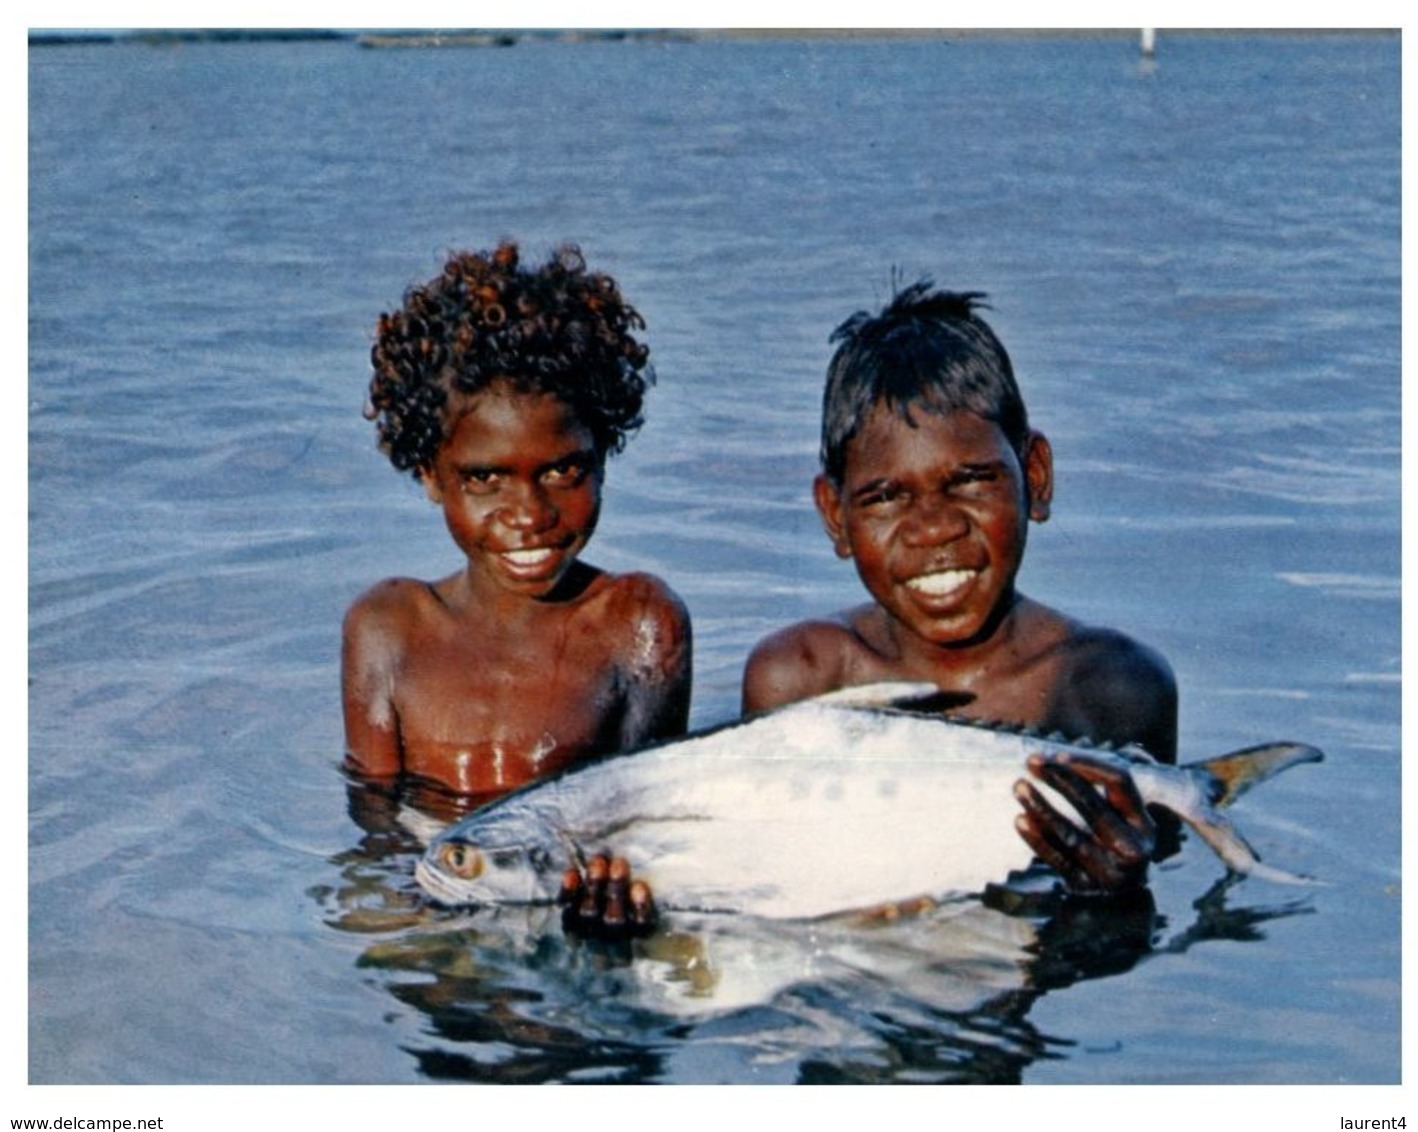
(457, 869)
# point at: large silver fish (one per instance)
(842, 802)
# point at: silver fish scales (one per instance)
(838, 803)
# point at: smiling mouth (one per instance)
(530, 559)
(939, 583)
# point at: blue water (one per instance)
(1195, 265)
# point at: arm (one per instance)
(1126, 693)
(659, 668)
(1121, 692)
(605, 902)
(367, 657)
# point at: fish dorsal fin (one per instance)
(1232, 775)
(886, 694)
(423, 828)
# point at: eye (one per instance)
(567, 473)
(461, 859)
(479, 481)
(975, 481)
(881, 498)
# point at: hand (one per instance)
(1112, 853)
(605, 903)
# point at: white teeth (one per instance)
(941, 582)
(529, 557)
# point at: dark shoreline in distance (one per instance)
(509, 37)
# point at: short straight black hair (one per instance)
(927, 349)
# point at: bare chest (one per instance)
(490, 712)
(1002, 687)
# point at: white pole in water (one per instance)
(1149, 42)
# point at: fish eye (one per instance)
(461, 859)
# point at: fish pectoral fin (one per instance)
(1230, 776)
(575, 855)
(1223, 837)
(887, 913)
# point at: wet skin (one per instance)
(604, 902)
(526, 659)
(934, 513)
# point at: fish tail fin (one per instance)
(1223, 837)
(1229, 776)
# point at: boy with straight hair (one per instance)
(931, 475)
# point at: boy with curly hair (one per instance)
(931, 475)
(503, 390)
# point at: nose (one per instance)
(935, 520)
(529, 508)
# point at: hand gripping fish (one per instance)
(842, 802)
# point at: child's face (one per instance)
(935, 518)
(519, 481)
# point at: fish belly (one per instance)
(812, 816)
(823, 807)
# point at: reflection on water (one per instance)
(940, 996)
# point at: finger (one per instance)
(598, 868)
(1074, 878)
(1084, 863)
(1054, 839)
(1111, 830)
(593, 897)
(617, 894)
(1117, 818)
(570, 887)
(642, 910)
(1123, 796)
(1057, 840)
(1120, 790)
(1116, 783)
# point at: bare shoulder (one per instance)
(800, 661)
(1125, 690)
(376, 635)
(644, 620)
(1113, 658)
(648, 627)
(641, 602)
(386, 605)
(382, 622)
(642, 589)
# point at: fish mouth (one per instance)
(444, 889)
(942, 583)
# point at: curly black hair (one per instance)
(559, 330)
